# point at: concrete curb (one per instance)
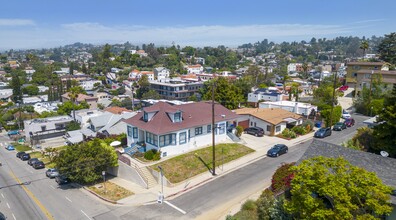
(99, 196)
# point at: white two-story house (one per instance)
(161, 73)
(179, 128)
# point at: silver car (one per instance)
(52, 173)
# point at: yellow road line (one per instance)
(33, 197)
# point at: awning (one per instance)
(290, 120)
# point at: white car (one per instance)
(345, 114)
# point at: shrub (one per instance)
(157, 156)
(149, 155)
(239, 131)
(249, 205)
(282, 178)
(300, 130)
(308, 125)
(287, 133)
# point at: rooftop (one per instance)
(271, 115)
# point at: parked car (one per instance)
(343, 88)
(20, 153)
(13, 132)
(61, 179)
(349, 122)
(256, 131)
(10, 147)
(39, 165)
(322, 132)
(339, 126)
(31, 161)
(277, 149)
(25, 156)
(52, 173)
(345, 114)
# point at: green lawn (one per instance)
(190, 164)
(21, 147)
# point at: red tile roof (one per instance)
(193, 114)
(117, 110)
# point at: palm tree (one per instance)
(73, 95)
(364, 46)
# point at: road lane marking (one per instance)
(175, 207)
(85, 214)
(2, 196)
(13, 216)
(33, 197)
(8, 205)
(68, 199)
(52, 186)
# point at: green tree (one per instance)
(67, 107)
(329, 188)
(73, 95)
(72, 126)
(31, 90)
(337, 113)
(387, 48)
(84, 163)
(144, 86)
(226, 93)
(385, 131)
(264, 204)
(16, 88)
(364, 45)
(151, 94)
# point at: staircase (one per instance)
(149, 177)
(233, 137)
(131, 150)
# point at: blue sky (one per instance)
(50, 23)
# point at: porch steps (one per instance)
(131, 150)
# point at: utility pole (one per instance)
(369, 99)
(213, 127)
(332, 100)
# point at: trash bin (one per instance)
(318, 124)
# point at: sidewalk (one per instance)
(147, 196)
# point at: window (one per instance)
(367, 76)
(222, 128)
(135, 132)
(268, 127)
(182, 138)
(129, 129)
(151, 138)
(278, 128)
(166, 140)
(145, 117)
(43, 128)
(177, 117)
(209, 129)
(198, 131)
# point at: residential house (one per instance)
(198, 68)
(142, 53)
(78, 78)
(135, 75)
(116, 110)
(269, 94)
(109, 123)
(272, 120)
(63, 71)
(161, 73)
(176, 89)
(83, 116)
(39, 129)
(35, 99)
(179, 128)
(364, 78)
(383, 167)
(92, 101)
(43, 88)
(353, 67)
(41, 107)
(295, 107)
(5, 94)
(149, 74)
(90, 84)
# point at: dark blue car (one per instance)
(277, 149)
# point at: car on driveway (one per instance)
(339, 126)
(61, 179)
(13, 132)
(39, 165)
(256, 131)
(349, 122)
(20, 153)
(343, 88)
(277, 149)
(322, 132)
(32, 161)
(10, 147)
(25, 156)
(345, 114)
(52, 173)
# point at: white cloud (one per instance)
(16, 22)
